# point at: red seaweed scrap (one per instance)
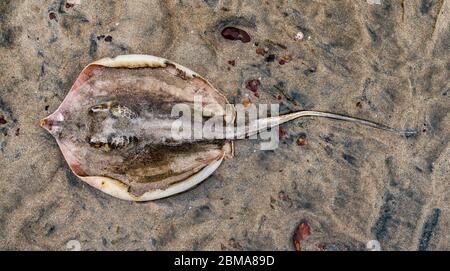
(281, 194)
(52, 16)
(322, 246)
(2, 120)
(69, 5)
(282, 132)
(232, 62)
(302, 231)
(253, 85)
(301, 140)
(233, 33)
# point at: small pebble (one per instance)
(374, 2)
(260, 51)
(285, 59)
(299, 36)
(270, 58)
(232, 243)
(246, 102)
(309, 71)
(281, 195)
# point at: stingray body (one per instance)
(114, 127)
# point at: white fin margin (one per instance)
(119, 190)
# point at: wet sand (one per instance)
(346, 184)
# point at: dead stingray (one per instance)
(113, 127)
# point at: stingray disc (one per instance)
(114, 127)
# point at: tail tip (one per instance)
(409, 133)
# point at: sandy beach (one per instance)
(330, 185)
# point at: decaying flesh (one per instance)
(114, 127)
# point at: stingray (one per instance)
(114, 127)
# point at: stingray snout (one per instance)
(52, 123)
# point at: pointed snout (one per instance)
(52, 123)
(46, 123)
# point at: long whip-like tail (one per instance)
(264, 123)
